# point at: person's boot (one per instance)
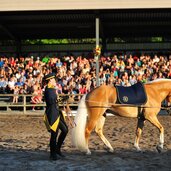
(53, 155)
(58, 152)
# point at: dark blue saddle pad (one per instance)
(134, 94)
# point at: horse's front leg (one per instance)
(140, 125)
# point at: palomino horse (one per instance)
(95, 103)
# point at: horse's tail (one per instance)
(78, 132)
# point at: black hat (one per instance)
(49, 76)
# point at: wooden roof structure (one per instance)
(38, 19)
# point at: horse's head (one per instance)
(168, 98)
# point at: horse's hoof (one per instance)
(110, 150)
(138, 149)
(159, 149)
(88, 152)
(142, 151)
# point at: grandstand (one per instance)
(124, 26)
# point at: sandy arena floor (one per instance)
(24, 146)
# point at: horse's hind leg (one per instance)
(155, 122)
(99, 131)
(90, 126)
(94, 115)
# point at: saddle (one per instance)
(134, 94)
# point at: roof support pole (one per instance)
(97, 55)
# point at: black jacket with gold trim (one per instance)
(51, 116)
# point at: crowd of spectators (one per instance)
(77, 74)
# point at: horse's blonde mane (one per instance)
(158, 80)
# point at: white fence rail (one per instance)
(24, 101)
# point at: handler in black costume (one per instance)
(53, 118)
